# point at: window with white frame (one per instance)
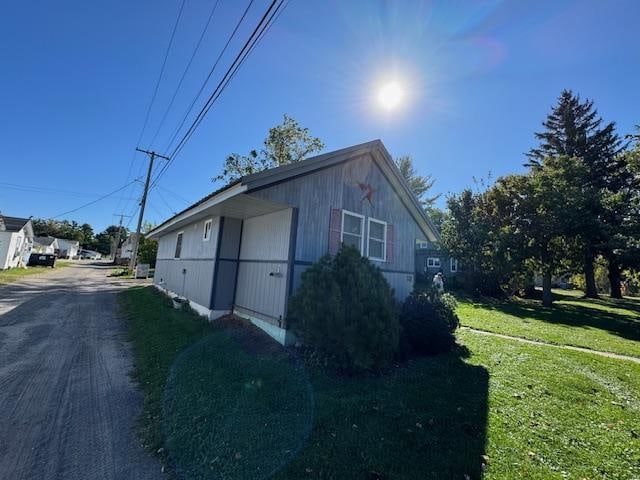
(377, 241)
(206, 233)
(352, 230)
(422, 244)
(178, 245)
(432, 262)
(454, 265)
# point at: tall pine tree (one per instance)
(574, 129)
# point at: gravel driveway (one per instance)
(67, 404)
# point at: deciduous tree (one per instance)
(285, 143)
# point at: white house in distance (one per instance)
(126, 250)
(45, 245)
(68, 248)
(16, 240)
(243, 248)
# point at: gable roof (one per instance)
(45, 241)
(263, 179)
(12, 224)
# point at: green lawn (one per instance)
(11, 275)
(607, 324)
(223, 402)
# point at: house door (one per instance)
(261, 289)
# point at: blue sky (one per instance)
(480, 76)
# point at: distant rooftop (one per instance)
(12, 224)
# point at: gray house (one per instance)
(431, 259)
(243, 248)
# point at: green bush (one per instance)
(345, 310)
(429, 321)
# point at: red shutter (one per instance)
(335, 228)
(391, 240)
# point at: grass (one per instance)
(14, 274)
(606, 324)
(224, 403)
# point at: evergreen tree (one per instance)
(573, 129)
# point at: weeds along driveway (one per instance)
(67, 403)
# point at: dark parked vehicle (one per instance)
(42, 259)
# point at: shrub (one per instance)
(429, 321)
(345, 310)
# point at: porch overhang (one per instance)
(232, 202)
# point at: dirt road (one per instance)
(67, 404)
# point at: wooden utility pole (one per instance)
(136, 240)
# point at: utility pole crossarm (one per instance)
(143, 203)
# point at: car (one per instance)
(42, 259)
(89, 255)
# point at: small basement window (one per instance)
(454, 265)
(206, 234)
(178, 245)
(433, 262)
(376, 248)
(352, 230)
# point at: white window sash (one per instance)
(342, 232)
(433, 262)
(179, 235)
(383, 239)
(206, 233)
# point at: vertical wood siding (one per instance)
(337, 187)
(197, 258)
(263, 269)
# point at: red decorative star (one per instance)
(367, 192)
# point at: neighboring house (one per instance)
(243, 248)
(16, 240)
(126, 250)
(45, 245)
(68, 248)
(431, 259)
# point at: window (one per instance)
(206, 234)
(454, 265)
(422, 244)
(433, 262)
(376, 248)
(352, 227)
(178, 245)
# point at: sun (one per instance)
(390, 95)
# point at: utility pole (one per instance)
(118, 235)
(136, 240)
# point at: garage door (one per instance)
(261, 291)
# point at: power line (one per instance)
(153, 96)
(164, 200)
(179, 197)
(204, 84)
(235, 66)
(164, 63)
(95, 201)
(43, 190)
(184, 74)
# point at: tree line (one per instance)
(578, 202)
(83, 233)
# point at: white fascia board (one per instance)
(221, 197)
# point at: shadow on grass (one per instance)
(575, 314)
(238, 408)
